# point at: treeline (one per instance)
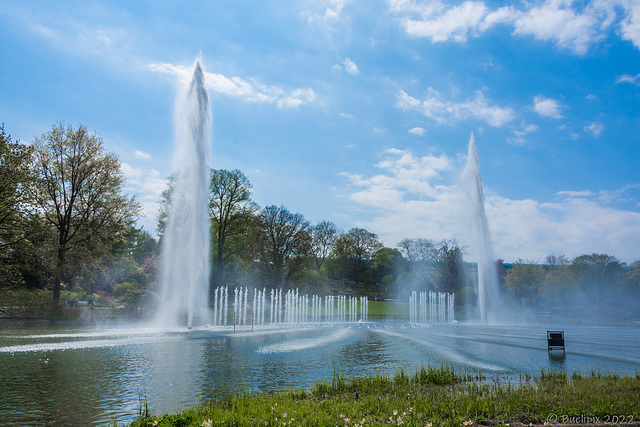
(590, 285)
(273, 247)
(67, 224)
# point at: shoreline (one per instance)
(432, 396)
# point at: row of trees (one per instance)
(593, 282)
(65, 221)
(273, 247)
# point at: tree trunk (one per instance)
(58, 277)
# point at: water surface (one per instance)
(56, 375)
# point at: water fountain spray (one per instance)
(489, 297)
(185, 247)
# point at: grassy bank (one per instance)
(25, 304)
(432, 396)
(388, 310)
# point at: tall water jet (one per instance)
(185, 249)
(489, 297)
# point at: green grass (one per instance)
(437, 396)
(388, 309)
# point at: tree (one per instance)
(79, 192)
(165, 204)
(448, 256)
(282, 244)
(323, 238)
(421, 255)
(355, 253)
(15, 207)
(361, 244)
(556, 261)
(231, 211)
(596, 274)
(525, 280)
(389, 264)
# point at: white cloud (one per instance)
(455, 24)
(570, 25)
(416, 131)
(141, 155)
(348, 66)
(409, 198)
(325, 10)
(402, 173)
(450, 112)
(595, 128)
(334, 8)
(626, 78)
(555, 20)
(147, 185)
(252, 91)
(547, 107)
(297, 97)
(630, 26)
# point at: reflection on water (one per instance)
(56, 376)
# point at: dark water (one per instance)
(56, 376)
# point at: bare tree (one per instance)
(324, 236)
(422, 255)
(282, 244)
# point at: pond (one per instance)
(52, 374)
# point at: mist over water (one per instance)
(490, 301)
(185, 250)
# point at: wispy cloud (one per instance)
(519, 135)
(237, 87)
(547, 107)
(416, 131)
(595, 128)
(141, 155)
(627, 78)
(325, 10)
(449, 112)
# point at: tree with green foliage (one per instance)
(79, 190)
(232, 215)
(282, 244)
(596, 275)
(449, 257)
(524, 280)
(355, 253)
(389, 264)
(16, 213)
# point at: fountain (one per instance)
(489, 297)
(185, 249)
(431, 307)
(290, 308)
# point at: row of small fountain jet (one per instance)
(290, 308)
(431, 307)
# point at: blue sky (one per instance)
(360, 112)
